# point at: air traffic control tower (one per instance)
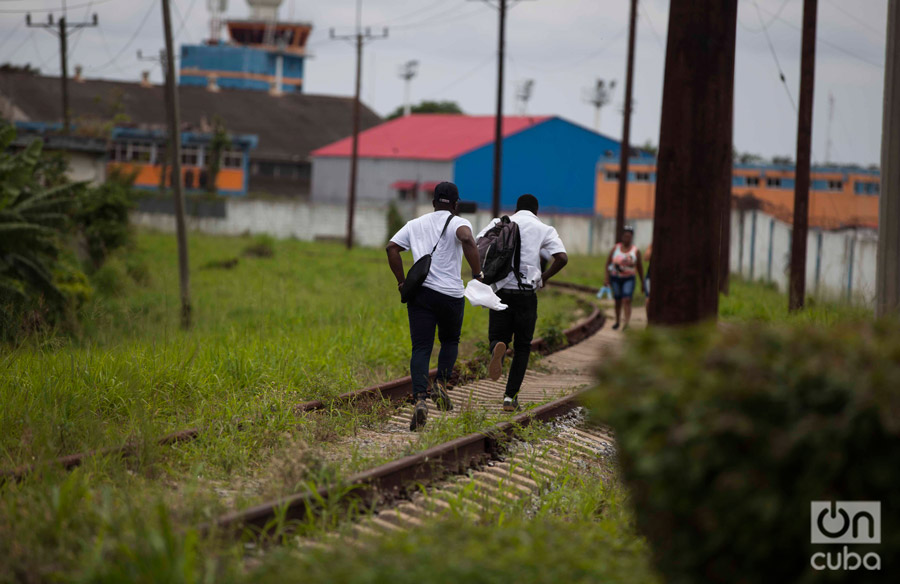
(261, 53)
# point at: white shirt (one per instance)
(537, 239)
(420, 235)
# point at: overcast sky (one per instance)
(563, 45)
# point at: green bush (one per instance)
(395, 220)
(263, 246)
(726, 436)
(102, 216)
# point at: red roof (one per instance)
(428, 136)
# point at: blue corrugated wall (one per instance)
(236, 59)
(555, 160)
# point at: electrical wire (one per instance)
(33, 10)
(775, 56)
(775, 16)
(858, 20)
(12, 32)
(184, 18)
(434, 18)
(87, 14)
(20, 45)
(407, 15)
(459, 79)
(646, 15)
(130, 41)
(37, 51)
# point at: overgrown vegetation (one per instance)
(727, 435)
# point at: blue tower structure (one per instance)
(260, 54)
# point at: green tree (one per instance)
(217, 146)
(34, 206)
(429, 107)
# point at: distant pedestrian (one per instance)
(518, 292)
(439, 302)
(648, 254)
(623, 262)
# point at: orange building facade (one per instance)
(839, 196)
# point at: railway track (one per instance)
(380, 488)
(396, 391)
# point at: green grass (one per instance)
(311, 321)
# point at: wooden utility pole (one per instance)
(359, 37)
(61, 29)
(887, 278)
(626, 125)
(175, 152)
(498, 119)
(797, 292)
(694, 163)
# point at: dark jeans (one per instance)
(430, 309)
(516, 321)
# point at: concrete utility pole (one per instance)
(407, 71)
(887, 278)
(694, 163)
(804, 142)
(61, 29)
(626, 125)
(359, 37)
(174, 116)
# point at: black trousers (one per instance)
(516, 321)
(429, 310)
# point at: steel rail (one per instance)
(393, 479)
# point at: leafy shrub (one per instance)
(263, 246)
(395, 220)
(34, 200)
(725, 437)
(553, 333)
(102, 216)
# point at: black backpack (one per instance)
(499, 251)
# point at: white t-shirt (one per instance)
(420, 235)
(537, 239)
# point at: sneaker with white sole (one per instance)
(495, 368)
(419, 417)
(510, 404)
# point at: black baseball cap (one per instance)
(446, 192)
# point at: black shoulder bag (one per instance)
(419, 270)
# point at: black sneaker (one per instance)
(495, 367)
(440, 397)
(510, 404)
(420, 415)
(615, 327)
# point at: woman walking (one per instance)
(623, 263)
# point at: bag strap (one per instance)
(443, 231)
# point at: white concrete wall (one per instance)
(846, 258)
(581, 235)
(331, 177)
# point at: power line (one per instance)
(35, 10)
(183, 18)
(12, 32)
(765, 29)
(408, 14)
(857, 19)
(460, 79)
(439, 18)
(659, 40)
(775, 16)
(131, 40)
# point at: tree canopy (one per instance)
(428, 107)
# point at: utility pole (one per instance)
(695, 158)
(175, 152)
(523, 95)
(804, 143)
(407, 71)
(61, 29)
(598, 96)
(359, 37)
(503, 7)
(626, 127)
(887, 275)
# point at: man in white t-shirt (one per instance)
(439, 302)
(519, 294)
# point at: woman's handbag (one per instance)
(419, 270)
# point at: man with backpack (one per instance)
(510, 249)
(438, 241)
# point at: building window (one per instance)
(232, 159)
(612, 175)
(140, 152)
(118, 152)
(773, 182)
(190, 156)
(752, 181)
(406, 194)
(835, 185)
(642, 176)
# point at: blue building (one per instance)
(405, 158)
(260, 55)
